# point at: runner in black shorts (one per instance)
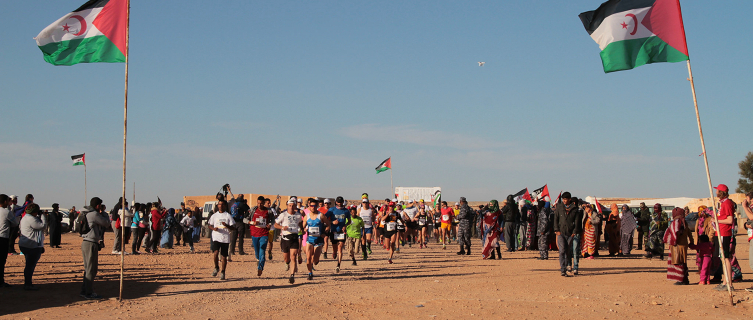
(290, 222)
(390, 229)
(340, 217)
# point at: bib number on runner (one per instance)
(445, 217)
(293, 229)
(314, 231)
(339, 236)
(261, 222)
(391, 226)
(421, 221)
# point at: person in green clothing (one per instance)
(354, 231)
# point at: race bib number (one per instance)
(261, 221)
(292, 229)
(421, 221)
(314, 231)
(367, 222)
(391, 226)
(339, 236)
(445, 217)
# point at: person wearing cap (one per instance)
(465, 217)
(56, 226)
(7, 221)
(567, 223)
(340, 217)
(368, 215)
(290, 222)
(725, 217)
(317, 228)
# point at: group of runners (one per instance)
(306, 231)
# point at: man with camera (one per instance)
(93, 233)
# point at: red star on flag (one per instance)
(624, 25)
(66, 28)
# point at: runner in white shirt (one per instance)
(411, 223)
(220, 223)
(289, 222)
(368, 214)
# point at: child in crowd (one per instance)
(704, 252)
(188, 223)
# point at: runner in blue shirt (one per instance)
(316, 225)
(340, 217)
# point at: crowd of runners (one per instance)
(307, 231)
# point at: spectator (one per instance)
(56, 226)
(96, 224)
(31, 241)
(7, 222)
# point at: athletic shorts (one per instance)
(381, 230)
(289, 242)
(334, 241)
(419, 227)
(368, 230)
(351, 245)
(437, 226)
(222, 247)
(446, 226)
(389, 234)
(315, 241)
(412, 225)
(271, 235)
(401, 229)
(726, 243)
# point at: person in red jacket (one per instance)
(157, 216)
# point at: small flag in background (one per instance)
(598, 205)
(541, 193)
(631, 33)
(384, 166)
(79, 159)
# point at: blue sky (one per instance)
(307, 98)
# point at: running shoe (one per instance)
(215, 272)
(354, 263)
(291, 280)
(287, 267)
(337, 269)
(325, 255)
(368, 250)
(390, 261)
(222, 276)
(311, 276)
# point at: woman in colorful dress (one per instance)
(589, 232)
(491, 230)
(678, 236)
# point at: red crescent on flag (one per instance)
(83, 24)
(635, 23)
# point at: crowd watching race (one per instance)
(307, 232)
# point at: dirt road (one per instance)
(422, 284)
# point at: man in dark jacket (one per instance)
(567, 224)
(465, 216)
(510, 216)
(56, 226)
(644, 221)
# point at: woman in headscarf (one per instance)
(678, 236)
(655, 244)
(612, 229)
(627, 228)
(490, 229)
(589, 232)
(543, 230)
(167, 229)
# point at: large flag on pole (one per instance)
(541, 193)
(79, 159)
(384, 166)
(522, 194)
(95, 32)
(631, 33)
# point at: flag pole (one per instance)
(85, 195)
(711, 188)
(392, 186)
(125, 130)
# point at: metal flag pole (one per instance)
(125, 130)
(708, 178)
(392, 186)
(85, 195)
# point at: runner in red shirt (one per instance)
(259, 224)
(446, 220)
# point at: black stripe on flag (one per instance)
(77, 156)
(91, 4)
(592, 19)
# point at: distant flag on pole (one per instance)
(558, 198)
(95, 32)
(522, 194)
(598, 205)
(437, 199)
(79, 159)
(631, 33)
(384, 166)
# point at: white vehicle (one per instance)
(417, 193)
(207, 210)
(65, 227)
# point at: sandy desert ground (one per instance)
(422, 284)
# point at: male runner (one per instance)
(220, 223)
(290, 222)
(340, 218)
(367, 214)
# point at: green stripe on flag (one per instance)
(86, 50)
(628, 54)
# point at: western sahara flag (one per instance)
(541, 193)
(95, 32)
(384, 166)
(631, 33)
(79, 159)
(521, 195)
